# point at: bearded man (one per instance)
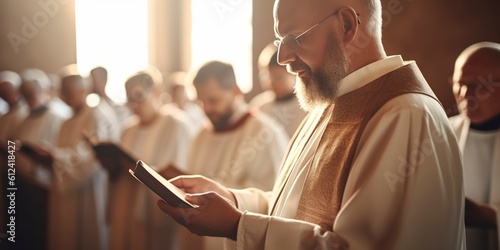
(375, 165)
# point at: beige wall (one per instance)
(169, 35)
(37, 33)
(434, 32)
(263, 35)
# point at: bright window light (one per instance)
(222, 30)
(112, 34)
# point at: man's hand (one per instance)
(479, 215)
(170, 171)
(193, 184)
(215, 215)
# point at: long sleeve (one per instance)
(74, 160)
(42, 130)
(404, 190)
(461, 125)
(252, 199)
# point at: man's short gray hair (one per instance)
(374, 23)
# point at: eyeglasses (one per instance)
(293, 41)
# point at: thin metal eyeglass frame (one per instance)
(278, 42)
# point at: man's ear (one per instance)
(350, 22)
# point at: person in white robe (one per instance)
(77, 202)
(16, 112)
(280, 102)
(181, 97)
(477, 80)
(376, 164)
(242, 147)
(34, 180)
(99, 78)
(10, 82)
(161, 140)
(55, 102)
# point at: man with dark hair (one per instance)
(162, 140)
(242, 147)
(375, 165)
(99, 77)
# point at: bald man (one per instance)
(376, 164)
(77, 204)
(477, 82)
(41, 127)
(9, 91)
(17, 110)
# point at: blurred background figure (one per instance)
(279, 101)
(15, 111)
(178, 90)
(55, 102)
(99, 78)
(242, 147)
(161, 140)
(41, 127)
(477, 84)
(9, 91)
(77, 203)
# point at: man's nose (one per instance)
(286, 55)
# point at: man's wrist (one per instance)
(234, 231)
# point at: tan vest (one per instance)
(327, 177)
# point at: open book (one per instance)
(113, 151)
(114, 158)
(162, 187)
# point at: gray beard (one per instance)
(320, 89)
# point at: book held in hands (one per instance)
(162, 187)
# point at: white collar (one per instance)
(369, 73)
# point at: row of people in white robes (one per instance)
(79, 183)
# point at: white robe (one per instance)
(9, 122)
(481, 157)
(247, 156)
(136, 222)
(287, 112)
(41, 129)
(77, 205)
(60, 107)
(120, 111)
(196, 115)
(382, 202)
